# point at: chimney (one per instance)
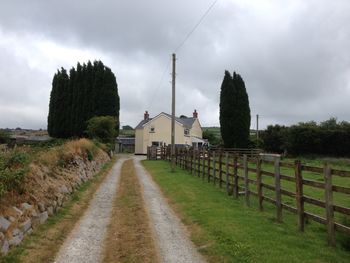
(146, 116)
(195, 114)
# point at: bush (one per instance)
(102, 128)
(13, 168)
(326, 138)
(4, 137)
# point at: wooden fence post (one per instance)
(299, 195)
(227, 172)
(214, 168)
(192, 161)
(220, 168)
(329, 204)
(208, 168)
(203, 165)
(259, 183)
(246, 182)
(235, 177)
(199, 164)
(175, 155)
(187, 158)
(278, 190)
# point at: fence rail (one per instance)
(245, 173)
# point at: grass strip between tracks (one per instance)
(129, 236)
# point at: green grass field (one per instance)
(226, 230)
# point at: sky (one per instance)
(293, 55)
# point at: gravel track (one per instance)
(85, 243)
(170, 233)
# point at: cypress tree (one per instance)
(73, 92)
(234, 112)
(52, 108)
(89, 90)
(61, 113)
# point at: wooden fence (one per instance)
(303, 190)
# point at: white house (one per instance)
(157, 131)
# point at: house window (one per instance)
(152, 129)
(157, 144)
(186, 132)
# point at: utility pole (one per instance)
(173, 117)
(257, 128)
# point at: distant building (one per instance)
(157, 131)
(125, 145)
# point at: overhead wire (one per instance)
(160, 82)
(180, 46)
(195, 27)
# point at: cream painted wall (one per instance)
(162, 133)
(139, 141)
(196, 130)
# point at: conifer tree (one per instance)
(52, 107)
(89, 90)
(234, 112)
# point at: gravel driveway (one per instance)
(171, 236)
(85, 243)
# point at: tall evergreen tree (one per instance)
(234, 112)
(52, 107)
(61, 106)
(89, 90)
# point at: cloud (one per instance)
(293, 55)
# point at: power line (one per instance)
(195, 27)
(160, 82)
(179, 46)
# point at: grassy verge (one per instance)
(45, 242)
(129, 237)
(225, 230)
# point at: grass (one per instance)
(313, 192)
(225, 230)
(15, 163)
(44, 243)
(129, 237)
(316, 193)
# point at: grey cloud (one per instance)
(293, 55)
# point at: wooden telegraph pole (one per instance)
(257, 128)
(173, 117)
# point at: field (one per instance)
(226, 230)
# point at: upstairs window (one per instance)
(186, 132)
(152, 129)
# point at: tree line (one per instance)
(89, 90)
(326, 138)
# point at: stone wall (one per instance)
(48, 190)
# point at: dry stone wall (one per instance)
(50, 189)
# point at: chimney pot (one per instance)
(195, 114)
(146, 116)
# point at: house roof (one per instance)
(187, 122)
(126, 140)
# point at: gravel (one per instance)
(85, 243)
(171, 237)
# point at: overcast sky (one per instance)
(294, 55)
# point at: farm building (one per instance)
(157, 132)
(124, 145)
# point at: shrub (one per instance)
(4, 137)
(102, 129)
(326, 138)
(13, 168)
